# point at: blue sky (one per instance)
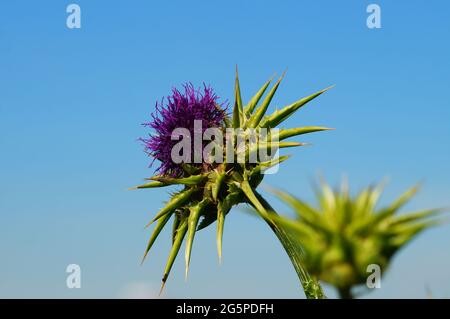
(71, 104)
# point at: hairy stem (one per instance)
(311, 286)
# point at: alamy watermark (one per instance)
(374, 19)
(73, 280)
(230, 145)
(374, 279)
(73, 20)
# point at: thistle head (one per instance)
(180, 111)
(344, 236)
(207, 195)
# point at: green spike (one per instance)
(407, 233)
(174, 251)
(175, 225)
(257, 147)
(150, 185)
(191, 180)
(286, 133)
(217, 185)
(255, 99)
(279, 116)
(175, 202)
(305, 212)
(261, 110)
(262, 166)
(361, 202)
(374, 195)
(328, 199)
(159, 226)
(392, 209)
(223, 208)
(220, 224)
(416, 216)
(404, 198)
(238, 113)
(194, 215)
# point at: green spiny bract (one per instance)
(346, 234)
(208, 193)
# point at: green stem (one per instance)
(311, 287)
(345, 293)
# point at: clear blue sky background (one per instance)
(71, 104)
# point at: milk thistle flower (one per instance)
(210, 189)
(180, 111)
(344, 237)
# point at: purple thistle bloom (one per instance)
(180, 111)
